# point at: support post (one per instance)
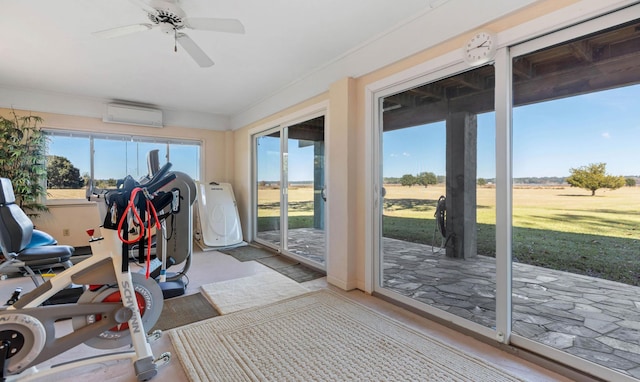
(462, 137)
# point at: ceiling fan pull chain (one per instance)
(175, 40)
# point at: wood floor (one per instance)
(212, 266)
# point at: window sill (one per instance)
(69, 203)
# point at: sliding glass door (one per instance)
(509, 198)
(437, 243)
(575, 268)
(268, 188)
(290, 190)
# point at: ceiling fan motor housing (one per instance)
(168, 16)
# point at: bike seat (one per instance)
(48, 253)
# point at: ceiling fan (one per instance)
(171, 19)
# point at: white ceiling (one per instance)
(48, 53)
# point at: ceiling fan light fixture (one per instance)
(167, 28)
(170, 19)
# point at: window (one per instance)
(575, 241)
(438, 150)
(75, 158)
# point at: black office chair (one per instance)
(16, 233)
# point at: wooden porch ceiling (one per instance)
(596, 62)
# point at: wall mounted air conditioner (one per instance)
(132, 115)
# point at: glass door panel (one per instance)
(438, 212)
(575, 201)
(268, 172)
(305, 193)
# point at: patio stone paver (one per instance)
(594, 319)
(305, 242)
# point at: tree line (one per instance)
(61, 173)
(591, 177)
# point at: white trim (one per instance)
(284, 188)
(251, 195)
(587, 27)
(299, 115)
(280, 124)
(442, 67)
(431, 70)
(429, 29)
(370, 186)
(583, 12)
(576, 31)
(562, 357)
(66, 104)
(253, 207)
(415, 74)
(503, 101)
(401, 42)
(559, 20)
(444, 315)
(327, 178)
(342, 284)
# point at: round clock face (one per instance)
(481, 48)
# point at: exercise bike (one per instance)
(172, 246)
(117, 308)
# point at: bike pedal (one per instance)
(14, 297)
(154, 336)
(163, 359)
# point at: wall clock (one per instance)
(480, 49)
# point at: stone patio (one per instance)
(305, 242)
(594, 319)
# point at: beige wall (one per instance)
(217, 163)
(227, 155)
(346, 147)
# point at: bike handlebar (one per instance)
(160, 179)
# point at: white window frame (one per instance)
(573, 21)
(130, 138)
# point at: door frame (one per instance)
(573, 21)
(282, 124)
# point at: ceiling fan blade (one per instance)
(145, 6)
(213, 24)
(122, 31)
(198, 55)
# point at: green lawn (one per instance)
(560, 228)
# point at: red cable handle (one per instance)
(150, 209)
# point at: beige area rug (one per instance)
(248, 292)
(320, 336)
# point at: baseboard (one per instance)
(346, 286)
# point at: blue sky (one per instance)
(300, 160)
(117, 158)
(549, 138)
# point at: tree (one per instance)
(86, 178)
(62, 174)
(408, 180)
(594, 177)
(482, 182)
(106, 183)
(22, 147)
(426, 178)
(630, 182)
